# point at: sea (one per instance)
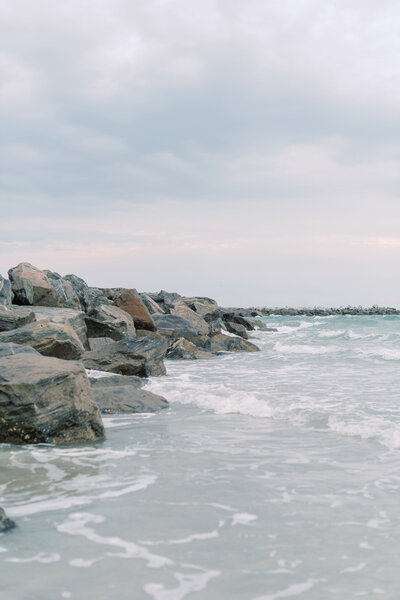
(273, 474)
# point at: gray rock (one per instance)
(100, 342)
(223, 343)
(81, 289)
(127, 399)
(184, 350)
(151, 305)
(201, 306)
(131, 356)
(12, 317)
(182, 310)
(50, 339)
(65, 289)
(5, 292)
(46, 400)
(174, 326)
(106, 320)
(236, 329)
(31, 286)
(9, 348)
(115, 380)
(75, 319)
(5, 523)
(166, 299)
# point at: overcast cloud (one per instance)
(243, 150)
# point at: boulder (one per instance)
(236, 329)
(151, 305)
(166, 299)
(5, 523)
(224, 343)
(182, 310)
(125, 397)
(12, 317)
(114, 380)
(130, 302)
(65, 289)
(184, 350)
(50, 339)
(174, 326)
(31, 286)
(75, 319)
(99, 342)
(46, 400)
(106, 320)
(81, 289)
(201, 306)
(5, 292)
(130, 356)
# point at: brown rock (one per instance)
(130, 302)
(31, 286)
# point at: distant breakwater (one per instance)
(263, 311)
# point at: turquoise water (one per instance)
(273, 475)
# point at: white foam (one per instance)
(293, 590)
(188, 583)
(303, 349)
(242, 519)
(42, 557)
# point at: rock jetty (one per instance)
(56, 330)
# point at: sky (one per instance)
(246, 151)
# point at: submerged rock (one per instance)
(46, 400)
(224, 343)
(5, 523)
(120, 394)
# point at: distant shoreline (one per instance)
(263, 311)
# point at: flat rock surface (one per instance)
(127, 399)
(12, 317)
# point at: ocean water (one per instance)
(273, 475)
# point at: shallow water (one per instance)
(273, 475)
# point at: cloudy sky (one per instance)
(247, 151)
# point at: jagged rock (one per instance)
(9, 348)
(201, 306)
(81, 289)
(224, 343)
(65, 289)
(5, 292)
(130, 356)
(258, 324)
(50, 339)
(46, 400)
(5, 523)
(185, 350)
(97, 297)
(12, 317)
(107, 320)
(130, 302)
(166, 299)
(236, 329)
(174, 326)
(31, 286)
(151, 305)
(124, 396)
(182, 310)
(64, 316)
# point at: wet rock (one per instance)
(50, 339)
(130, 302)
(236, 329)
(31, 286)
(115, 380)
(5, 292)
(130, 356)
(5, 523)
(46, 400)
(182, 349)
(224, 343)
(12, 317)
(114, 399)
